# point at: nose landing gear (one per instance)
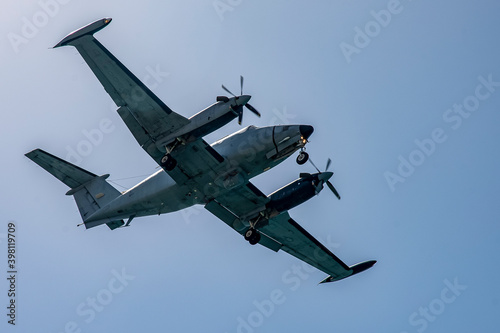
(302, 158)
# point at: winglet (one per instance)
(89, 29)
(358, 268)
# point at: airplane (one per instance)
(194, 172)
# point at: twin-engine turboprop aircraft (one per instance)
(194, 172)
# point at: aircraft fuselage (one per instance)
(247, 153)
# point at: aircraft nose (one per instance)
(306, 131)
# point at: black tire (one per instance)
(249, 234)
(256, 238)
(302, 158)
(168, 162)
(164, 160)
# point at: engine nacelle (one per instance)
(295, 193)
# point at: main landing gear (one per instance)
(168, 162)
(302, 158)
(252, 236)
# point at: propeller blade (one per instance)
(254, 110)
(240, 116)
(241, 84)
(314, 165)
(228, 91)
(333, 189)
(328, 164)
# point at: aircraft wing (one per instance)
(299, 243)
(240, 201)
(244, 200)
(283, 233)
(147, 117)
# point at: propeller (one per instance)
(238, 108)
(325, 176)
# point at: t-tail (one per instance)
(91, 192)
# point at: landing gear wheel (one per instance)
(250, 233)
(252, 236)
(302, 158)
(168, 162)
(255, 239)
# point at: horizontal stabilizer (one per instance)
(69, 174)
(91, 192)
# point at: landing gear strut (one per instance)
(168, 162)
(252, 236)
(302, 158)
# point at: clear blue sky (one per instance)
(406, 105)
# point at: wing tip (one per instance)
(357, 268)
(362, 266)
(89, 29)
(31, 152)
